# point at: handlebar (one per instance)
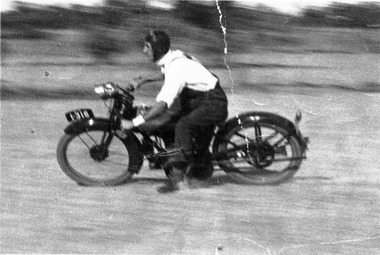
(109, 89)
(130, 88)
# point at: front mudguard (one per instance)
(267, 117)
(106, 125)
(89, 124)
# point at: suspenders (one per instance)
(196, 60)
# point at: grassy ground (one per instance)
(329, 207)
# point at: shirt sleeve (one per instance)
(173, 85)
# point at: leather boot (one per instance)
(176, 177)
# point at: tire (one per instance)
(91, 165)
(243, 165)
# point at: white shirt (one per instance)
(181, 72)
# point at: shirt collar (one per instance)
(169, 57)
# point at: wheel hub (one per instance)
(99, 152)
(263, 154)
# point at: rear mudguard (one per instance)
(267, 117)
(104, 124)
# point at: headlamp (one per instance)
(105, 90)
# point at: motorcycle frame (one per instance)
(111, 125)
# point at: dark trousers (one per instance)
(193, 120)
(201, 113)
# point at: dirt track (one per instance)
(330, 207)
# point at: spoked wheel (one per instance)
(259, 153)
(98, 158)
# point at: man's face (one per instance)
(148, 50)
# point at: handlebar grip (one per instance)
(130, 88)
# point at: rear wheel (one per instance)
(99, 158)
(259, 153)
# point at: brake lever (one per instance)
(127, 89)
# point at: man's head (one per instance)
(157, 44)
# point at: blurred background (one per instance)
(59, 35)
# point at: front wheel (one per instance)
(99, 157)
(259, 153)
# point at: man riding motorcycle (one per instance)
(202, 105)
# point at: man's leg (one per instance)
(197, 126)
(202, 168)
(194, 138)
(162, 126)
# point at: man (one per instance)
(203, 106)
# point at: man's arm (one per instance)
(139, 81)
(156, 110)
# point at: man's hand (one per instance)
(157, 109)
(126, 125)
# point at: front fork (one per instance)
(100, 151)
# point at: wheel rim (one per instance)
(93, 161)
(274, 158)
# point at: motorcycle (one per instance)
(258, 148)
